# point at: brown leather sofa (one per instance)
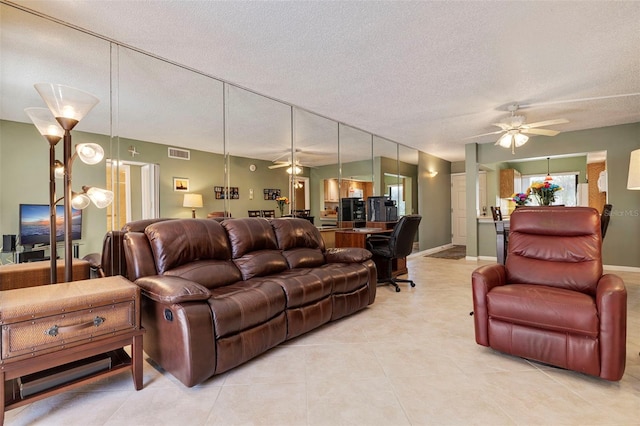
(216, 295)
(551, 302)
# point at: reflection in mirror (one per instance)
(316, 149)
(385, 158)
(169, 130)
(356, 184)
(406, 195)
(35, 50)
(259, 150)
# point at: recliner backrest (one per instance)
(555, 246)
(300, 242)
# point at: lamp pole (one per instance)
(53, 249)
(67, 124)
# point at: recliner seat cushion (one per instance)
(347, 277)
(545, 308)
(245, 304)
(304, 286)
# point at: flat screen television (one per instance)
(34, 224)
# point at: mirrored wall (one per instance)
(170, 132)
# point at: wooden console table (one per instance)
(62, 336)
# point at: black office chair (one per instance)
(605, 218)
(398, 245)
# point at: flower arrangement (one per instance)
(521, 198)
(545, 192)
(282, 201)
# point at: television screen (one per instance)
(34, 224)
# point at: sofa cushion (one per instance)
(260, 263)
(208, 273)
(304, 257)
(294, 233)
(304, 286)
(245, 304)
(346, 277)
(178, 242)
(544, 307)
(250, 234)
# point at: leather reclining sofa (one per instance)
(217, 294)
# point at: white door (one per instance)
(458, 210)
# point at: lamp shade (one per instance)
(58, 168)
(90, 153)
(192, 200)
(294, 170)
(46, 123)
(67, 104)
(505, 140)
(101, 198)
(633, 181)
(80, 201)
(520, 139)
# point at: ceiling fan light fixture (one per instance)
(294, 170)
(520, 139)
(505, 140)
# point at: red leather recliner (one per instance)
(550, 302)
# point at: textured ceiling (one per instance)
(425, 74)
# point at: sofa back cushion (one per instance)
(254, 248)
(178, 242)
(555, 246)
(301, 242)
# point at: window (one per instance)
(567, 181)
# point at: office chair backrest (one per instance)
(404, 234)
(605, 218)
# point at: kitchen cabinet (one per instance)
(510, 182)
(331, 191)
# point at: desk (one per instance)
(351, 238)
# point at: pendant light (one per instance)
(548, 178)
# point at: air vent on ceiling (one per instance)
(180, 154)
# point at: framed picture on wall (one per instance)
(181, 184)
(221, 194)
(271, 193)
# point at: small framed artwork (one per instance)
(271, 193)
(181, 184)
(221, 194)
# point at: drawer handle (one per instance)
(55, 330)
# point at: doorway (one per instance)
(136, 188)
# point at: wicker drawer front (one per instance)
(56, 332)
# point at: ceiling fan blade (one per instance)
(503, 126)
(279, 165)
(545, 123)
(543, 132)
(484, 134)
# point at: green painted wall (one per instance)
(434, 201)
(621, 247)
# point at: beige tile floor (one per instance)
(409, 359)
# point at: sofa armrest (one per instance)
(347, 255)
(168, 289)
(611, 302)
(95, 263)
(483, 280)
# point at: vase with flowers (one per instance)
(521, 198)
(282, 201)
(545, 192)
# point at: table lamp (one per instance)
(194, 201)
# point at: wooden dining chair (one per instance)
(254, 213)
(268, 213)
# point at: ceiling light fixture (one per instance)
(548, 178)
(294, 170)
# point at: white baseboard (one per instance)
(621, 268)
(427, 252)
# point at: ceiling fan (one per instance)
(515, 129)
(277, 163)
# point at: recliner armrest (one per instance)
(347, 255)
(611, 303)
(168, 289)
(483, 280)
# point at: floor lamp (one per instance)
(68, 106)
(48, 127)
